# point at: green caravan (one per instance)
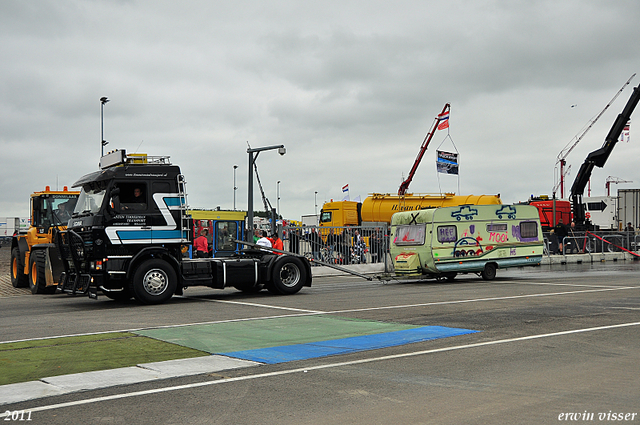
(443, 242)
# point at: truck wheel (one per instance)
(489, 272)
(289, 276)
(154, 282)
(37, 276)
(18, 278)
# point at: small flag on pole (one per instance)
(443, 120)
(345, 188)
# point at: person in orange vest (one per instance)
(277, 243)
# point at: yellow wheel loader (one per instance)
(35, 262)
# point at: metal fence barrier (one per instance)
(339, 245)
(366, 244)
(592, 242)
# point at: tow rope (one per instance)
(603, 240)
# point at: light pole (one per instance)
(104, 143)
(315, 199)
(252, 160)
(278, 199)
(235, 167)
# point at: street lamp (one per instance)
(235, 167)
(278, 198)
(104, 143)
(315, 198)
(252, 160)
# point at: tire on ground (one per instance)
(18, 278)
(154, 282)
(489, 272)
(288, 276)
(37, 273)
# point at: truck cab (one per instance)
(130, 230)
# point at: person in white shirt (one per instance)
(263, 241)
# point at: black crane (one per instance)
(598, 158)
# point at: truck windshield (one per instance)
(54, 210)
(61, 207)
(325, 217)
(89, 201)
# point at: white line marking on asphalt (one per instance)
(261, 305)
(568, 284)
(320, 367)
(473, 300)
(312, 313)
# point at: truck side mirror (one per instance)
(114, 201)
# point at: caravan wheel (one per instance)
(489, 272)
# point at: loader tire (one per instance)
(37, 273)
(18, 278)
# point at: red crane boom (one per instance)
(404, 186)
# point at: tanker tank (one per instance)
(380, 207)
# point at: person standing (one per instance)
(277, 243)
(294, 241)
(314, 241)
(561, 232)
(201, 244)
(263, 241)
(332, 240)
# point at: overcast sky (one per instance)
(349, 87)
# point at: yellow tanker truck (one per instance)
(378, 207)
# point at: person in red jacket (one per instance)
(201, 244)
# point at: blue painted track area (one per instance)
(289, 353)
(284, 339)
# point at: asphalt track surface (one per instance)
(550, 342)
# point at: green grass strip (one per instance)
(33, 360)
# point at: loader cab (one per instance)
(52, 209)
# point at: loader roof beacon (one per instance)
(127, 233)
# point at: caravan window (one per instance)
(528, 229)
(497, 227)
(410, 235)
(447, 234)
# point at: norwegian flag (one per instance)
(625, 132)
(443, 120)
